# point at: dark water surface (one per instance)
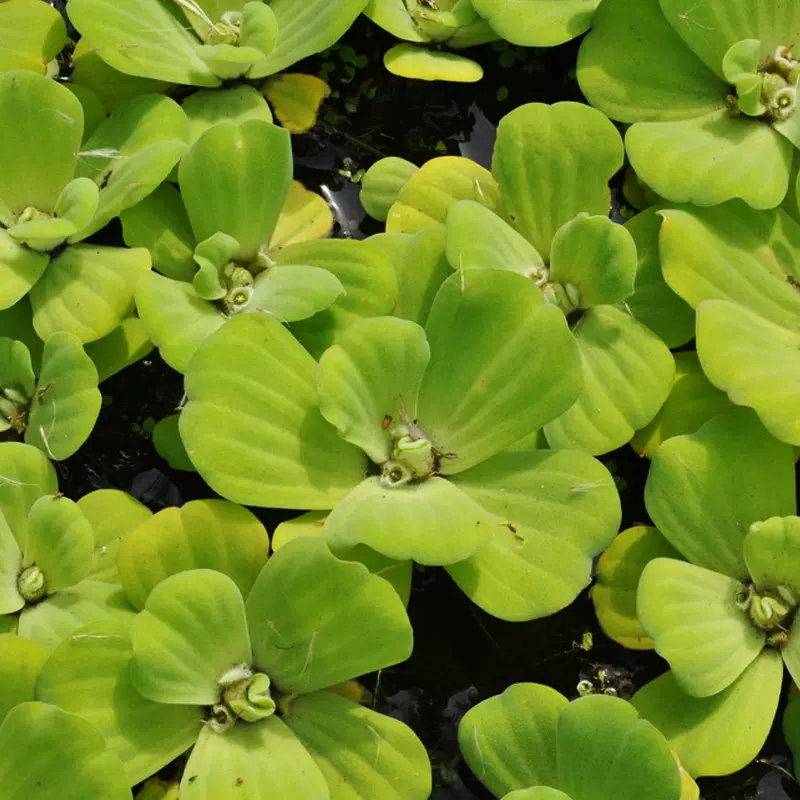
(461, 655)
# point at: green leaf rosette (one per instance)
(248, 680)
(392, 432)
(710, 90)
(530, 743)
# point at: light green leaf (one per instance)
(732, 252)
(740, 60)
(367, 275)
(713, 28)
(229, 61)
(305, 29)
(772, 551)
(259, 27)
(691, 403)
(191, 632)
(177, 320)
(425, 268)
(234, 179)
(113, 88)
(17, 323)
(477, 237)
(693, 618)
(605, 750)
(264, 759)
(89, 675)
(427, 196)
(143, 38)
(382, 184)
(523, 573)
(711, 159)
(552, 163)
(420, 63)
(203, 534)
(393, 16)
(67, 401)
(160, 223)
(16, 371)
(627, 376)
(537, 793)
(211, 255)
(59, 541)
(755, 361)
(351, 624)
(21, 662)
(129, 132)
(509, 741)
(537, 23)
(42, 235)
(252, 427)
(20, 268)
(128, 343)
(705, 490)
(131, 179)
(294, 292)
(50, 622)
(113, 515)
(397, 573)
(87, 290)
(208, 107)
(167, 443)
(65, 757)
(567, 495)
(362, 754)
(11, 600)
(698, 729)
(78, 202)
(38, 153)
(25, 475)
(617, 578)
(431, 522)
(94, 112)
(791, 723)
(597, 257)
(482, 326)
(634, 66)
(33, 34)
(372, 374)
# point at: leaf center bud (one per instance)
(769, 610)
(31, 584)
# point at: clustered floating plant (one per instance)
(437, 395)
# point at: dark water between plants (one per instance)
(461, 655)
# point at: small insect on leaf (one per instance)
(386, 422)
(43, 390)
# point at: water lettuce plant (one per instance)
(710, 90)
(740, 269)
(717, 596)
(543, 213)
(531, 743)
(51, 755)
(217, 244)
(465, 23)
(57, 190)
(57, 410)
(33, 34)
(53, 573)
(252, 683)
(205, 42)
(407, 435)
